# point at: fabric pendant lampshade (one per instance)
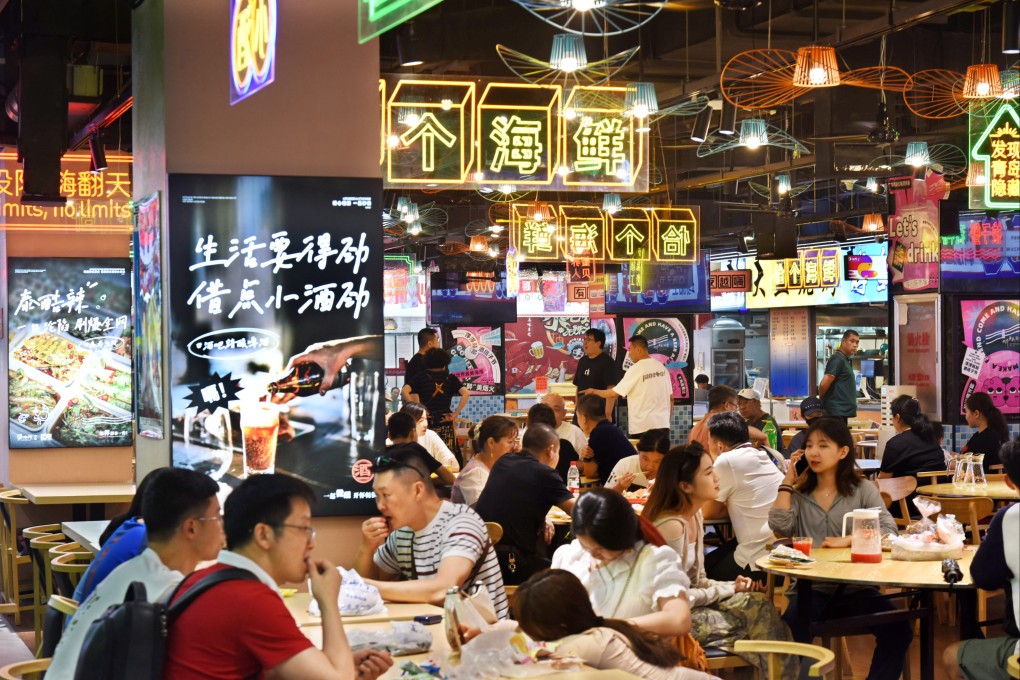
(982, 82)
(816, 67)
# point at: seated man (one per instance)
(572, 439)
(182, 524)
(242, 628)
(544, 414)
(701, 387)
(638, 471)
(607, 444)
(749, 405)
(528, 487)
(402, 432)
(996, 565)
(810, 409)
(748, 484)
(423, 545)
(721, 398)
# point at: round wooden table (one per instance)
(997, 490)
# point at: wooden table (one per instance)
(833, 565)
(86, 533)
(869, 466)
(867, 448)
(78, 496)
(994, 490)
(298, 603)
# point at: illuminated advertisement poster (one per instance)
(404, 287)
(914, 233)
(476, 357)
(547, 295)
(917, 359)
(984, 255)
(148, 319)
(790, 334)
(252, 47)
(69, 370)
(995, 151)
(646, 287)
(669, 344)
(276, 296)
(991, 353)
(549, 347)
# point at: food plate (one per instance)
(31, 402)
(790, 564)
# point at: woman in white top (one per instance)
(497, 436)
(553, 605)
(625, 576)
(722, 611)
(432, 442)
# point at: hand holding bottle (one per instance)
(318, 368)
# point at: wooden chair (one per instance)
(25, 670)
(495, 532)
(11, 560)
(1013, 666)
(40, 539)
(825, 660)
(58, 609)
(933, 477)
(69, 562)
(898, 489)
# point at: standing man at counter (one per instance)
(838, 389)
(428, 339)
(596, 370)
(648, 389)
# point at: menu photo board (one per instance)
(69, 367)
(789, 361)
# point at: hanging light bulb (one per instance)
(611, 203)
(782, 184)
(873, 223)
(479, 244)
(816, 67)
(415, 228)
(982, 82)
(917, 154)
(640, 100)
(976, 175)
(568, 53)
(753, 133)
(1010, 79)
(871, 185)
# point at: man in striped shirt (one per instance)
(422, 545)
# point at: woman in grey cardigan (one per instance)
(813, 504)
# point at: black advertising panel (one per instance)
(262, 270)
(69, 371)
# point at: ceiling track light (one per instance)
(97, 154)
(728, 118)
(702, 125)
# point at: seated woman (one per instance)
(544, 414)
(992, 431)
(431, 441)
(625, 576)
(813, 504)
(915, 448)
(722, 611)
(497, 436)
(553, 605)
(402, 434)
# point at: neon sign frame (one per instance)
(247, 75)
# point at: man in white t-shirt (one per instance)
(184, 526)
(648, 390)
(748, 484)
(422, 545)
(564, 428)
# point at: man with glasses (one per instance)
(241, 628)
(596, 370)
(183, 527)
(422, 545)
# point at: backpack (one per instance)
(128, 641)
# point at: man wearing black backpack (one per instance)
(184, 527)
(241, 628)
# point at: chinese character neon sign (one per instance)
(252, 47)
(429, 126)
(998, 147)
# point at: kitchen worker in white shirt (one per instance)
(648, 390)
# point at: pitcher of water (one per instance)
(977, 473)
(960, 472)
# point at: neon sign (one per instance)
(252, 47)
(378, 16)
(998, 147)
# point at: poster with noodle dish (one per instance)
(69, 369)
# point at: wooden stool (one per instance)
(11, 560)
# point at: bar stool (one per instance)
(69, 561)
(11, 559)
(40, 539)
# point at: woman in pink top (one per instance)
(497, 436)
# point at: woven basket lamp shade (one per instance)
(982, 82)
(816, 67)
(976, 175)
(479, 244)
(873, 223)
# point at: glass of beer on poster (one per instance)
(260, 427)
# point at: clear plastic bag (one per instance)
(925, 540)
(403, 638)
(357, 598)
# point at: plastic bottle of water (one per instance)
(574, 479)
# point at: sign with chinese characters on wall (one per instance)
(270, 274)
(252, 47)
(664, 235)
(69, 372)
(95, 201)
(997, 147)
(984, 254)
(730, 281)
(477, 134)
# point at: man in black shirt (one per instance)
(607, 444)
(428, 339)
(521, 490)
(596, 369)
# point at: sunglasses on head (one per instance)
(385, 464)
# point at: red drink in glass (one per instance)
(803, 545)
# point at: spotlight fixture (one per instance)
(568, 53)
(728, 118)
(97, 160)
(702, 125)
(409, 48)
(753, 133)
(918, 154)
(611, 203)
(816, 67)
(982, 82)
(1011, 27)
(640, 100)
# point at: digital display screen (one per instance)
(69, 371)
(658, 288)
(985, 252)
(468, 299)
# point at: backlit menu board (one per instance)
(69, 371)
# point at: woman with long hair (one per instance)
(992, 431)
(722, 611)
(431, 441)
(497, 436)
(553, 605)
(813, 504)
(915, 448)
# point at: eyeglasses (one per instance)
(309, 530)
(385, 463)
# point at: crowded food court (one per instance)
(565, 339)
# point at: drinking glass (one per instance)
(364, 400)
(260, 428)
(803, 544)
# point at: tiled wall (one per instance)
(680, 426)
(481, 407)
(962, 433)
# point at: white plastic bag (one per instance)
(403, 638)
(357, 598)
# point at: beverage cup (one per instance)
(260, 426)
(803, 544)
(364, 401)
(537, 349)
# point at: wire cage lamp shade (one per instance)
(640, 99)
(816, 67)
(568, 53)
(611, 203)
(873, 222)
(976, 175)
(753, 133)
(872, 185)
(918, 154)
(982, 82)
(782, 184)
(1010, 79)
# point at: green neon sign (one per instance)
(998, 147)
(378, 16)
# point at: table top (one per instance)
(298, 603)
(868, 466)
(86, 533)
(997, 490)
(833, 565)
(58, 494)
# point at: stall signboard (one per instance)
(476, 357)
(914, 233)
(252, 47)
(549, 347)
(984, 255)
(724, 299)
(995, 144)
(668, 343)
(991, 352)
(660, 288)
(375, 17)
(263, 271)
(917, 346)
(730, 281)
(69, 367)
(789, 361)
(471, 133)
(148, 294)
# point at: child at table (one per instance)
(813, 504)
(552, 605)
(996, 565)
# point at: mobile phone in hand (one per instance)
(801, 466)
